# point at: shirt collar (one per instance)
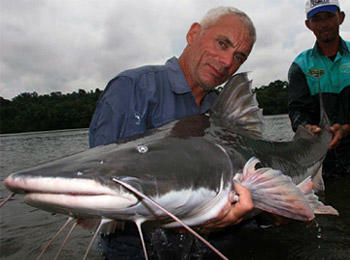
(177, 78)
(343, 48)
(180, 86)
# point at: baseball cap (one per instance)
(314, 6)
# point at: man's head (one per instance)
(323, 19)
(217, 47)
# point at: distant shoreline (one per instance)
(43, 132)
(87, 129)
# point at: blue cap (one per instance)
(315, 6)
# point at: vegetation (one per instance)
(32, 112)
(273, 99)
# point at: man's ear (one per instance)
(307, 24)
(341, 17)
(193, 33)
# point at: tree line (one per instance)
(32, 112)
(56, 111)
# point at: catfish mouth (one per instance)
(75, 196)
(57, 185)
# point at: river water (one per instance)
(25, 230)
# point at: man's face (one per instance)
(325, 25)
(218, 51)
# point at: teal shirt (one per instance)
(310, 69)
(335, 75)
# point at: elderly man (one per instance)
(151, 96)
(326, 65)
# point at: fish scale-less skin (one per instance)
(165, 166)
(199, 167)
(187, 167)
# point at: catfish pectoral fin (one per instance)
(274, 192)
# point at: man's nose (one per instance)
(226, 60)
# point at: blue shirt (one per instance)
(141, 99)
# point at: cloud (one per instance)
(49, 46)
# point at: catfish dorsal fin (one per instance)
(236, 107)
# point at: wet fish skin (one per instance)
(188, 167)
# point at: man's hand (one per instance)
(233, 212)
(339, 132)
(313, 128)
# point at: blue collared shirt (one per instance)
(141, 99)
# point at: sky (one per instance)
(67, 45)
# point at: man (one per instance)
(326, 65)
(151, 96)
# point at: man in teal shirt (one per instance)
(326, 65)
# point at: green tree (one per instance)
(33, 112)
(273, 99)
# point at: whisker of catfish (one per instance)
(138, 223)
(103, 221)
(54, 237)
(7, 198)
(66, 239)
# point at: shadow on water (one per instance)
(24, 230)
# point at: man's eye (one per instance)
(319, 18)
(239, 58)
(222, 44)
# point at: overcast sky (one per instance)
(66, 45)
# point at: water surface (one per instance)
(25, 230)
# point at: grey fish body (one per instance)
(187, 166)
(183, 164)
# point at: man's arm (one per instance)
(115, 116)
(301, 106)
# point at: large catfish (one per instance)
(182, 173)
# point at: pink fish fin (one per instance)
(318, 181)
(317, 206)
(54, 237)
(155, 204)
(107, 228)
(111, 226)
(274, 192)
(88, 223)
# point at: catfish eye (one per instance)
(141, 148)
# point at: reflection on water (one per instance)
(24, 230)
